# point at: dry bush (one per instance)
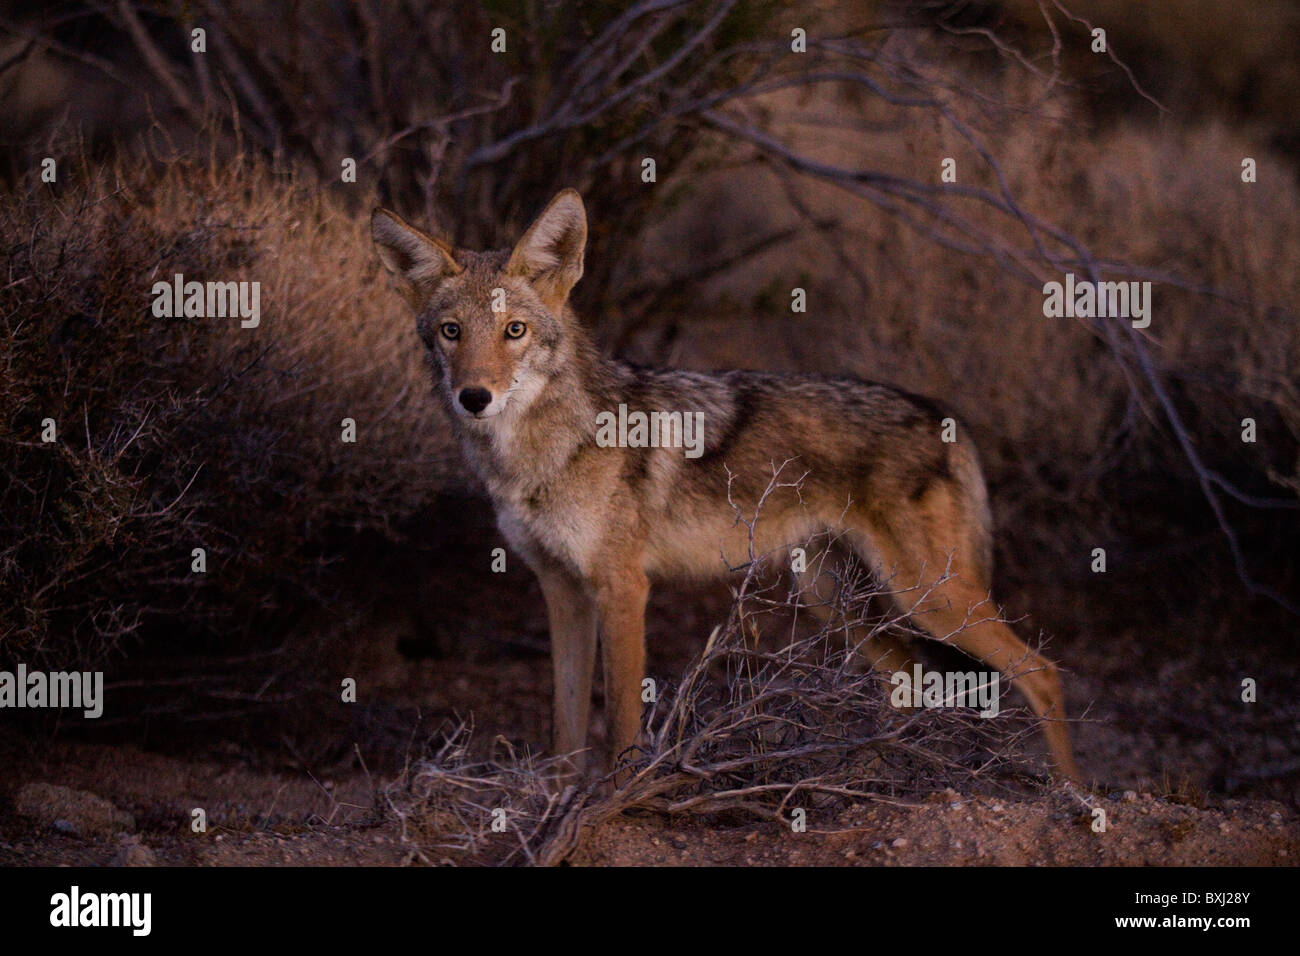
(179, 433)
(452, 133)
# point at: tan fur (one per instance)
(597, 523)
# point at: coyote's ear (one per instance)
(550, 253)
(415, 255)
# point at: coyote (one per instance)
(524, 387)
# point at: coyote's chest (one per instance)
(558, 521)
(545, 505)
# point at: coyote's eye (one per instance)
(515, 330)
(450, 330)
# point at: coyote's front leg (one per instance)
(572, 616)
(620, 601)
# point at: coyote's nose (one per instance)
(475, 399)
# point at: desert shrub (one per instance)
(183, 433)
(467, 138)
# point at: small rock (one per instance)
(899, 843)
(131, 852)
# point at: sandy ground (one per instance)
(270, 819)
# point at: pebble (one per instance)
(131, 852)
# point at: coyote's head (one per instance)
(495, 323)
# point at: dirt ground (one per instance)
(1185, 773)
